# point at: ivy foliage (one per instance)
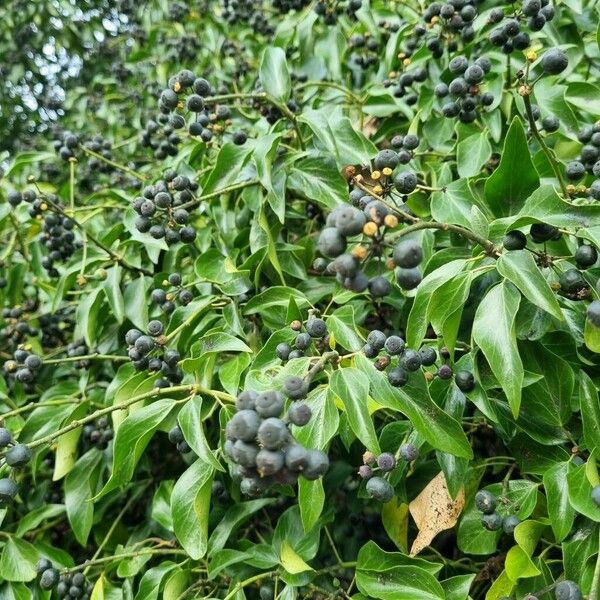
(300, 299)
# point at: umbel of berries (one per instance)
(162, 212)
(24, 366)
(487, 503)
(316, 329)
(462, 96)
(261, 445)
(147, 352)
(171, 293)
(368, 221)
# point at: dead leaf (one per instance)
(370, 126)
(433, 510)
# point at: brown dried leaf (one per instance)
(370, 126)
(433, 510)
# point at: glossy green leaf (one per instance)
(190, 504)
(494, 333)
(519, 267)
(273, 73)
(132, 437)
(515, 178)
(351, 386)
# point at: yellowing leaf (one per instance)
(433, 510)
(395, 521)
(290, 561)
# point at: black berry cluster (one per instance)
(462, 96)
(509, 32)
(373, 216)
(260, 443)
(331, 10)
(24, 366)
(16, 456)
(374, 470)
(65, 585)
(588, 162)
(59, 238)
(398, 360)
(285, 6)
(57, 230)
(66, 143)
(176, 437)
(486, 504)
(161, 209)
(97, 434)
(184, 105)
(171, 292)
(448, 23)
(316, 329)
(364, 50)
(405, 83)
(79, 348)
(56, 328)
(251, 13)
(17, 326)
(147, 352)
(103, 147)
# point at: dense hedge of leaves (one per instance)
(300, 300)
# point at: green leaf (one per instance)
(418, 317)
(87, 314)
(233, 518)
(80, 486)
(580, 492)
(291, 561)
(324, 422)
(472, 153)
(343, 327)
(136, 305)
(413, 400)
(132, 437)
(591, 335)
(494, 333)
(274, 75)
(224, 558)
(339, 137)
(112, 289)
(18, 560)
(150, 584)
(519, 565)
(38, 515)
(391, 576)
(190, 503)
(212, 343)
(457, 587)
(546, 206)
(317, 178)
(351, 386)
(519, 267)
(590, 411)
(560, 511)
(229, 167)
(265, 152)
(311, 499)
(585, 96)
(190, 421)
(515, 178)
